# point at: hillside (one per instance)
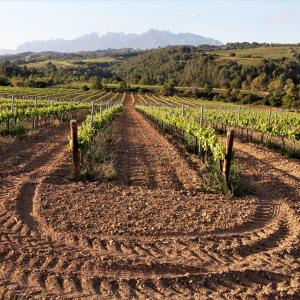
(188, 66)
(261, 69)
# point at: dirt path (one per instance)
(151, 234)
(146, 158)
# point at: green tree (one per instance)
(97, 84)
(259, 82)
(122, 86)
(288, 101)
(168, 88)
(50, 68)
(4, 81)
(275, 86)
(85, 88)
(290, 88)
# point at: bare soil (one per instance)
(154, 232)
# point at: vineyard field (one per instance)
(43, 108)
(122, 195)
(274, 127)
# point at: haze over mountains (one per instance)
(92, 42)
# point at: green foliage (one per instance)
(122, 87)
(275, 99)
(205, 135)
(109, 171)
(93, 144)
(98, 151)
(282, 124)
(218, 182)
(288, 101)
(85, 88)
(249, 99)
(4, 81)
(168, 88)
(86, 132)
(28, 110)
(84, 175)
(191, 66)
(14, 130)
(256, 67)
(97, 84)
(58, 93)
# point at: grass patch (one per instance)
(108, 170)
(95, 60)
(43, 64)
(98, 162)
(84, 175)
(261, 52)
(216, 181)
(14, 130)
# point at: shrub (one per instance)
(288, 101)
(85, 88)
(275, 100)
(249, 99)
(97, 84)
(4, 81)
(168, 89)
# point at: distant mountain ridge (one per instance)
(7, 51)
(92, 42)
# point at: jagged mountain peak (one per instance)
(153, 38)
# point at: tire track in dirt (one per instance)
(19, 221)
(24, 205)
(275, 186)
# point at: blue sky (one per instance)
(227, 21)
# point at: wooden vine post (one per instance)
(228, 154)
(269, 118)
(269, 125)
(13, 108)
(50, 117)
(76, 157)
(201, 116)
(239, 117)
(201, 124)
(92, 115)
(34, 118)
(12, 104)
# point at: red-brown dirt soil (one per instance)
(154, 232)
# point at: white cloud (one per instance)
(283, 16)
(188, 14)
